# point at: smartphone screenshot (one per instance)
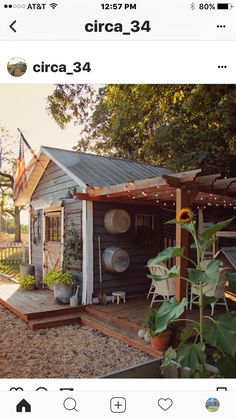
(117, 209)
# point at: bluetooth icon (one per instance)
(192, 6)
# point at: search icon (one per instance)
(70, 404)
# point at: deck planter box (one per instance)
(151, 369)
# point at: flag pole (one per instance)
(27, 145)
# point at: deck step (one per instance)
(54, 321)
(114, 318)
(127, 336)
(55, 313)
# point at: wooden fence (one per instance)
(13, 252)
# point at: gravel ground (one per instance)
(65, 352)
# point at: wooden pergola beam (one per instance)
(223, 184)
(128, 186)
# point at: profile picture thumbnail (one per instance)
(212, 404)
(16, 67)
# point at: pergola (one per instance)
(181, 190)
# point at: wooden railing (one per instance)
(13, 252)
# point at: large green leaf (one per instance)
(173, 272)
(173, 221)
(211, 231)
(209, 276)
(190, 227)
(222, 333)
(203, 244)
(169, 253)
(169, 355)
(191, 354)
(168, 311)
(186, 333)
(227, 366)
(208, 300)
(231, 277)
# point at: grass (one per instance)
(11, 269)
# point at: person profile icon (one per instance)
(16, 67)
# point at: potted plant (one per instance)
(63, 284)
(159, 340)
(27, 282)
(206, 339)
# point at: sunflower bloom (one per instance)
(185, 215)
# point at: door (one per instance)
(53, 243)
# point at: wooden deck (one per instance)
(37, 308)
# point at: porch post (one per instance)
(87, 231)
(182, 240)
(200, 220)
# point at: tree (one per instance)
(7, 168)
(179, 126)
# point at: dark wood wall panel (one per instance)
(134, 280)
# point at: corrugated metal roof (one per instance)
(101, 171)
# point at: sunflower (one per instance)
(185, 215)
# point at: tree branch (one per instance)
(7, 175)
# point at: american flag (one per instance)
(20, 180)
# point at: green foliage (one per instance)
(227, 366)
(27, 281)
(72, 248)
(169, 253)
(159, 320)
(169, 355)
(209, 276)
(219, 334)
(172, 273)
(222, 333)
(191, 354)
(151, 321)
(211, 231)
(179, 126)
(58, 277)
(11, 269)
(231, 277)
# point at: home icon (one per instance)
(23, 406)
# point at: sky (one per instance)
(23, 106)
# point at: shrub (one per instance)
(58, 277)
(27, 281)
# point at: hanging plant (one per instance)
(72, 248)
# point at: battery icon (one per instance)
(224, 6)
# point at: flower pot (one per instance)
(161, 342)
(63, 293)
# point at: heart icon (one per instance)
(165, 404)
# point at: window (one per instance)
(53, 227)
(144, 222)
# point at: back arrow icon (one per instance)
(11, 26)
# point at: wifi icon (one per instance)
(53, 5)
